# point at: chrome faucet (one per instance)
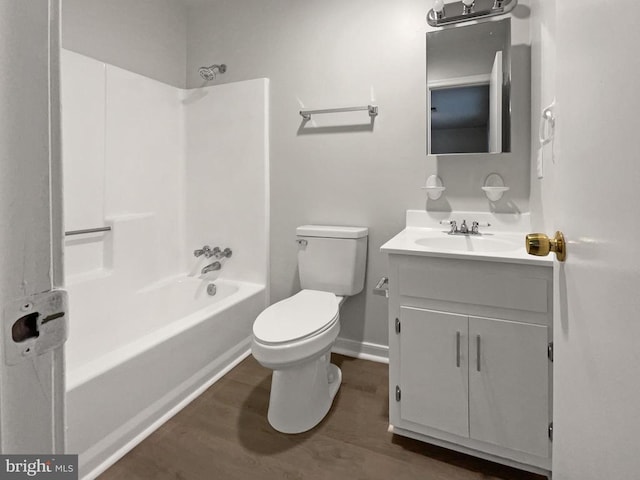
(212, 267)
(209, 252)
(464, 229)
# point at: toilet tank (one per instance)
(332, 258)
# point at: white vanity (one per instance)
(470, 332)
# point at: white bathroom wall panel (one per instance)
(332, 53)
(144, 165)
(83, 87)
(127, 166)
(83, 116)
(227, 174)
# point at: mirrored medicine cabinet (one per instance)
(468, 89)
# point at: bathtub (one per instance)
(135, 362)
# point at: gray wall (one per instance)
(325, 53)
(144, 36)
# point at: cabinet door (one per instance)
(434, 370)
(509, 385)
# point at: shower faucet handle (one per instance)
(206, 251)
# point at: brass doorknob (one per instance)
(539, 244)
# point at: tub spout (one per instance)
(212, 267)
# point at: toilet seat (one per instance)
(306, 314)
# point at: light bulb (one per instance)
(438, 6)
(468, 3)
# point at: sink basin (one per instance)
(468, 243)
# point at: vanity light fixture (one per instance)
(465, 10)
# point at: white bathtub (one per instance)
(135, 362)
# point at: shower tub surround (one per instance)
(169, 170)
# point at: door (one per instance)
(495, 105)
(597, 174)
(434, 370)
(31, 360)
(508, 385)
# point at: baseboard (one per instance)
(363, 350)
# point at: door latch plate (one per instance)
(35, 325)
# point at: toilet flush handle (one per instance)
(302, 242)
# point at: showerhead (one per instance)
(209, 73)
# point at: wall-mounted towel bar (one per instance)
(372, 109)
(87, 230)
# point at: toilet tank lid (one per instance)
(331, 231)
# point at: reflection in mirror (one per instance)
(468, 85)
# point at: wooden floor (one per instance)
(224, 434)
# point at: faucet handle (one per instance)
(475, 225)
(221, 253)
(206, 251)
(454, 225)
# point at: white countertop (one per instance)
(404, 243)
(507, 246)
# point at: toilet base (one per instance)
(301, 396)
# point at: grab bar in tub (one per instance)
(87, 230)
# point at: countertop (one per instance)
(404, 243)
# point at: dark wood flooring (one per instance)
(224, 434)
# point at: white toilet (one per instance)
(294, 336)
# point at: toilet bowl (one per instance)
(294, 338)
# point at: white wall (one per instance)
(143, 36)
(227, 174)
(543, 60)
(326, 53)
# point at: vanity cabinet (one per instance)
(469, 345)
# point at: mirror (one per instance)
(468, 87)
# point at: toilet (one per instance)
(294, 336)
